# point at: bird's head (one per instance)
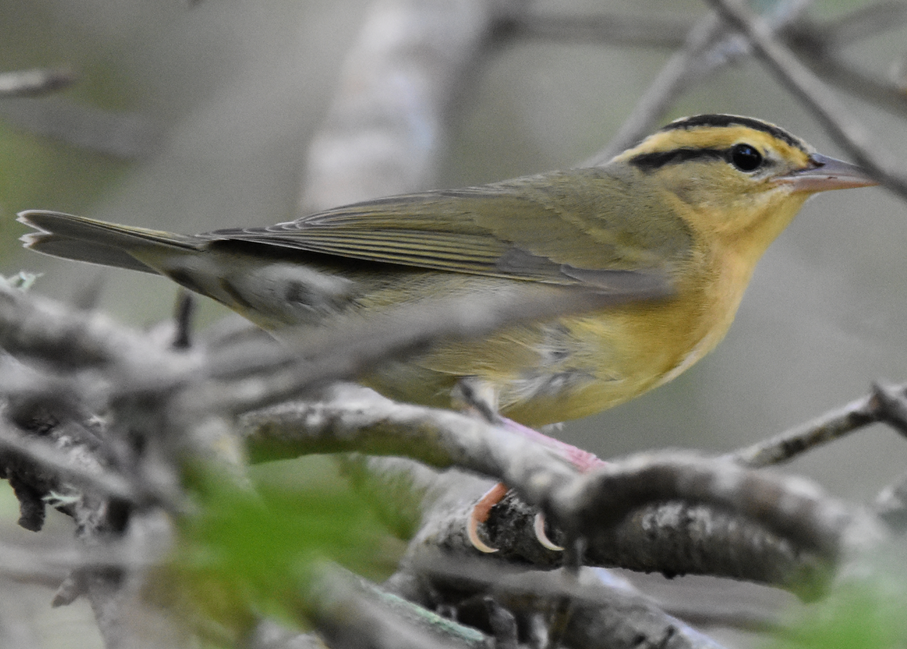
(736, 178)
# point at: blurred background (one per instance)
(196, 116)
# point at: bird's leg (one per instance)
(481, 399)
(582, 460)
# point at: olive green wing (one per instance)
(571, 227)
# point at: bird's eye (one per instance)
(746, 157)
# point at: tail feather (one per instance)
(97, 242)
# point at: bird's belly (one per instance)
(561, 369)
(577, 366)
(614, 357)
(565, 369)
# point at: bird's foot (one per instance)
(479, 515)
(582, 460)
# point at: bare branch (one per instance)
(731, 541)
(822, 103)
(741, 618)
(604, 610)
(707, 48)
(384, 130)
(50, 558)
(351, 418)
(823, 429)
(35, 327)
(674, 537)
(674, 77)
(126, 616)
(883, 404)
(61, 465)
(891, 406)
(791, 507)
(185, 310)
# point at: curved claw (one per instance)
(538, 525)
(479, 515)
(472, 532)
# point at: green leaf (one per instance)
(248, 552)
(861, 614)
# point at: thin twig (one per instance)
(891, 406)
(708, 48)
(50, 459)
(823, 429)
(883, 404)
(48, 559)
(673, 78)
(823, 104)
(32, 326)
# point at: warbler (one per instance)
(699, 201)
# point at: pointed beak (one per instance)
(824, 173)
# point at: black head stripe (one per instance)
(648, 162)
(735, 120)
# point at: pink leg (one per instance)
(582, 460)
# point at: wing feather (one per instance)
(563, 228)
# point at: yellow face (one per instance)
(732, 178)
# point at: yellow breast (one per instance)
(586, 364)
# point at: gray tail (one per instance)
(97, 242)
